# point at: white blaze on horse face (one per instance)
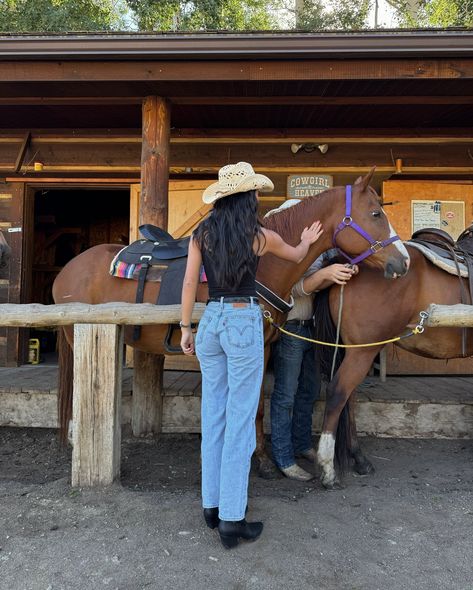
(325, 454)
(398, 243)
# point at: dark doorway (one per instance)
(67, 222)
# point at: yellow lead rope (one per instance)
(417, 330)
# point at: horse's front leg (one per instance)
(337, 425)
(362, 465)
(266, 468)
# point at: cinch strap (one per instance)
(273, 299)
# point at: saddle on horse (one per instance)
(159, 250)
(453, 257)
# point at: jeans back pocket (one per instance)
(240, 330)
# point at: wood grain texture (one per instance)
(147, 400)
(97, 404)
(155, 161)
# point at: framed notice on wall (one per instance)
(446, 215)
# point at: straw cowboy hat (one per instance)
(285, 205)
(236, 178)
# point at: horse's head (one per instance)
(5, 251)
(365, 233)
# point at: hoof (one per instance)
(364, 467)
(332, 485)
(268, 470)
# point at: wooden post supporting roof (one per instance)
(153, 208)
(155, 161)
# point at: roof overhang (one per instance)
(222, 45)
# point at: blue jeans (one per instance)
(296, 387)
(230, 348)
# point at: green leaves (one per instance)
(203, 15)
(60, 15)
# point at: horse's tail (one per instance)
(65, 382)
(325, 331)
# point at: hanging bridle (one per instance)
(347, 221)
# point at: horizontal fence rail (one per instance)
(30, 315)
(450, 316)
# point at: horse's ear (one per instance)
(358, 180)
(364, 181)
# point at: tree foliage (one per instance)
(231, 15)
(203, 15)
(60, 15)
(434, 13)
(317, 15)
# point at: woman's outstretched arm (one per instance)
(276, 245)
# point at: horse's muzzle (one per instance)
(396, 267)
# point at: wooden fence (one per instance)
(98, 363)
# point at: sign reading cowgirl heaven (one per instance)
(306, 185)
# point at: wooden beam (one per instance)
(155, 161)
(462, 135)
(22, 152)
(319, 100)
(217, 100)
(238, 70)
(59, 180)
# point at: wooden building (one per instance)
(101, 132)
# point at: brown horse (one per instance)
(86, 278)
(5, 251)
(375, 310)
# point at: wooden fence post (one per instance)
(98, 352)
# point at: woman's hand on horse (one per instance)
(187, 341)
(312, 234)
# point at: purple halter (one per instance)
(347, 221)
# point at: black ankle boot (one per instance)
(211, 517)
(232, 531)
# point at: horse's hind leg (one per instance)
(351, 372)
(362, 465)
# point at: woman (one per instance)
(229, 341)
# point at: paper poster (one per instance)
(446, 215)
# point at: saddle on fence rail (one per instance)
(454, 257)
(158, 257)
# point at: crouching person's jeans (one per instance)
(230, 348)
(296, 387)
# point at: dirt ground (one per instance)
(410, 525)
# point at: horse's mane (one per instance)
(283, 221)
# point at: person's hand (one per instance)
(187, 341)
(312, 234)
(340, 273)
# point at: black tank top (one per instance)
(246, 288)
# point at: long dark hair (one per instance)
(228, 235)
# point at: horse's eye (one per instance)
(376, 213)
